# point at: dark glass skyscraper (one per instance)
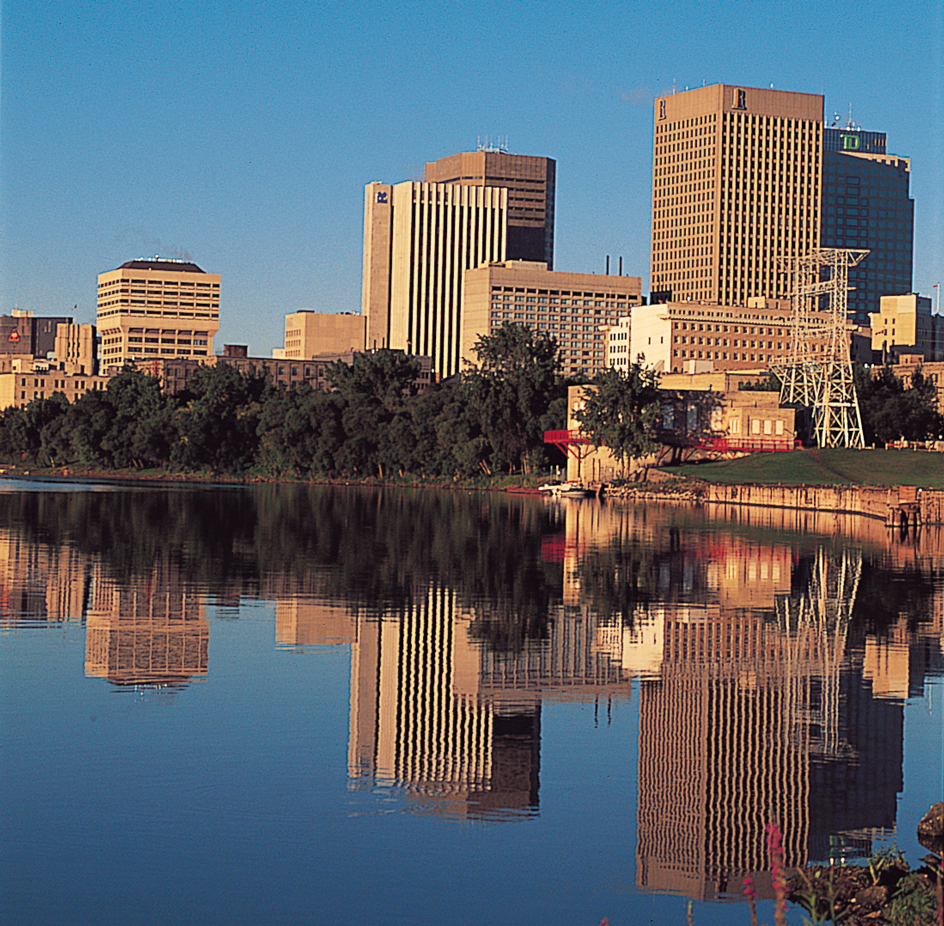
(866, 204)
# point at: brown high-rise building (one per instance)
(736, 179)
(530, 183)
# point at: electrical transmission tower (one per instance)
(819, 371)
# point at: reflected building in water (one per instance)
(754, 701)
(755, 707)
(417, 721)
(150, 632)
(41, 582)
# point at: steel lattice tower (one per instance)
(819, 371)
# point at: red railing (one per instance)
(565, 439)
(741, 445)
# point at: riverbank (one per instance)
(494, 483)
(815, 467)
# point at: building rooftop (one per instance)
(180, 266)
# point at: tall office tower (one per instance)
(419, 239)
(866, 204)
(155, 309)
(530, 183)
(735, 189)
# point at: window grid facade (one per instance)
(154, 309)
(576, 309)
(736, 187)
(867, 205)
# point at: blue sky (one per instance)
(241, 134)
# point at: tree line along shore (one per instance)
(374, 423)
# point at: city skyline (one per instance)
(123, 138)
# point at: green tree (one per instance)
(141, 428)
(619, 412)
(891, 412)
(383, 377)
(374, 390)
(217, 427)
(512, 385)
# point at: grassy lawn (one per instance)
(825, 467)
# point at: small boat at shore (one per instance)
(567, 490)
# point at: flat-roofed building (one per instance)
(25, 334)
(575, 308)
(530, 182)
(76, 349)
(177, 374)
(736, 183)
(675, 335)
(314, 334)
(618, 340)
(905, 325)
(933, 371)
(153, 309)
(419, 239)
(25, 383)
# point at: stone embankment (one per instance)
(904, 505)
(897, 506)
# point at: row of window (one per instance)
(157, 284)
(597, 299)
(157, 312)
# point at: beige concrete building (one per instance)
(152, 631)
(736, 182)
(703, 413)
(908, 364)
(530, 182)
(675, 335)
(76, 349)
(315, 334)
(151, 309)
(419, 238)
(574, 308)
(27, 382)
(618, 341)
(904, 325)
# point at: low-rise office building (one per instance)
(671, 336)
(574, 308)
(28, 382)
(318, 334)
(177, 374)
(905, 325)
(694, 417)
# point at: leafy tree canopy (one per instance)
(892, 412)
(619, 412)
(512, 385)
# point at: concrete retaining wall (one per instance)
(885, 504)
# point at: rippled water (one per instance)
(317, 705)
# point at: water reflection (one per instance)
(771, 653)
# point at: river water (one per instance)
(336, 705)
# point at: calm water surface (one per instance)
(313, 705)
